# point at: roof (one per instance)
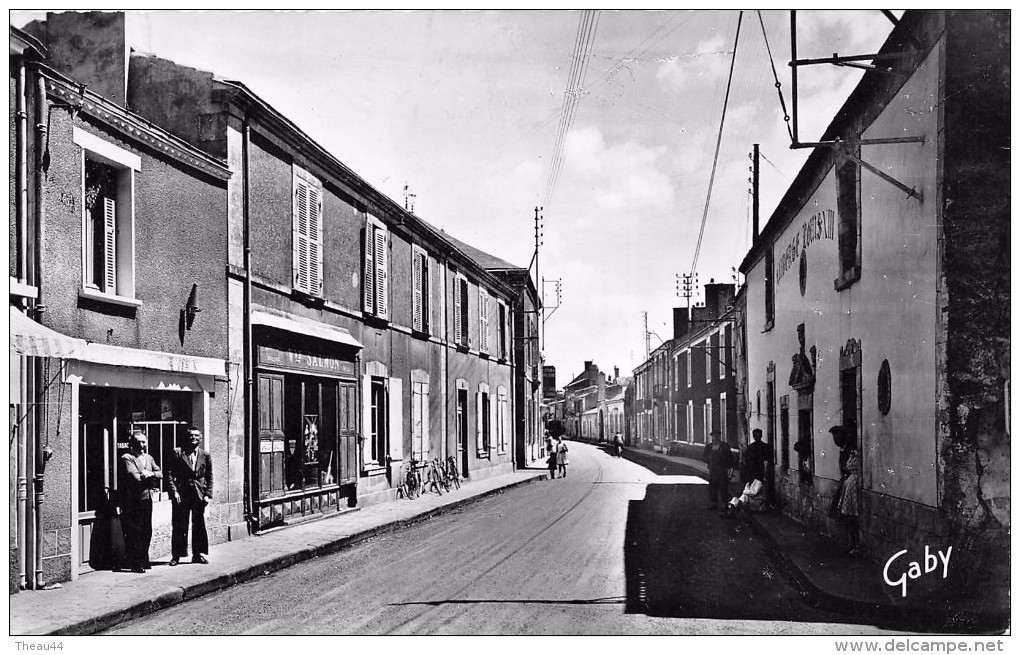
(484, 259)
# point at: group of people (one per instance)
(557, 459)
(189, 478)
(845, 505)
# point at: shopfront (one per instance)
(306, 421)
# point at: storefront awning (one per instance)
(100, 353)
(309, 328)
(36, 340)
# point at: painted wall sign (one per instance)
(304, 361)
(820, 226)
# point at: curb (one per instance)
(177, 595)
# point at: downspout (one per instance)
(249, 384)
(446, 361)
(39, 463)
(22, 218)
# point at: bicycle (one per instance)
(450, 469)
(411, 482)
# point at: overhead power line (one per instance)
(718, 143)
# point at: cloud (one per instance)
(705, 64)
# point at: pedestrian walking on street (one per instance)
(845, 506)
(550, 461)
(139, 476)
(191, 488)
(720, 467)
(752, 473)
(561, 456)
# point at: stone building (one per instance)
(881, 304)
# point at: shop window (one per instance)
(422, 304)
(307, 233)
(310, 428)
(376, 300)
(107, 218)
(848, 205)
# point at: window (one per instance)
(690, 421)
(107, 218)
(307, 233)
(504, 331)
(378, 421)
(688, 362)
(722, 352)
(770, 297)
(483, 434)
(460, 313)
(848, 206)
(310, 426)
(707, 420)
(420, 433)
(421, 301)
(501, 404)
(483, 320)
(376, 287)
(708, 359)
(722, 415)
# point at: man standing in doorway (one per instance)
(720, 465)
(139, 476)
(191, 488)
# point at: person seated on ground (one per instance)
(756, 456)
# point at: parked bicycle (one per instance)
(451, 471)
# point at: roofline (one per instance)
(247, 100)
(130, 125)
(27, 41)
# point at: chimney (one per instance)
(616, 372)
(681, 322)
(90, 48)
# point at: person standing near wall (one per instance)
(140, 475)
(191, 489)
(720, 466)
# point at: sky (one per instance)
(464, 107)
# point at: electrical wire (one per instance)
(718, 143)
(779, 87)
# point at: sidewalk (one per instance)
(848, 585)
(101, 599)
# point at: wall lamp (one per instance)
(191, 308)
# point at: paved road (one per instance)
(610, 549)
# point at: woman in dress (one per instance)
(561, 456)
(846, 505)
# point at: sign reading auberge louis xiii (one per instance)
(820, 226)
(304, 361)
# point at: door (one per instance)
(270, 435)
(462, 430)
(348, 429)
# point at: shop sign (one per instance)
(267, 446)
(820, 226)
(304, 361)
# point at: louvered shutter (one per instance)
(366, 418)
(483, 321)
(369, 282)
(382, 301)
(315, 241)
(479, 434)
(395, 407)
(109, 245)
(301, 245)
(458, 329)
(416, 445)
(418, 291)
(426, 436)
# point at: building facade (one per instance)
(883, 311)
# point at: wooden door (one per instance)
(348, 433)
(270, 435)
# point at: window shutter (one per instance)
(483, 320)
(315, 238)
(479, 441)
(426, 436)
(418, 291)
(109, 245)
(301, 245)
(458, 329)
(395, 407)
(369, 281)
(366, 418)
(382, 300)
(416, 442)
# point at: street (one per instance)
(611, 549)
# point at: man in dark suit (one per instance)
(139, 476)
(191, 489)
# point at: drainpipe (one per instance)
(446, 362)
(22, 218)
(249, 384)
(39, 458)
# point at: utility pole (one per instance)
(686, 285)
(539, 282)
(754, 196)
(648, 351)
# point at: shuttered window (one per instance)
(460, 312)
(421, 301)
(307, 234)
(376, 285)
(483, 320)
(504, 331)
(420, 439)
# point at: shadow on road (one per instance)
(610, 600)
